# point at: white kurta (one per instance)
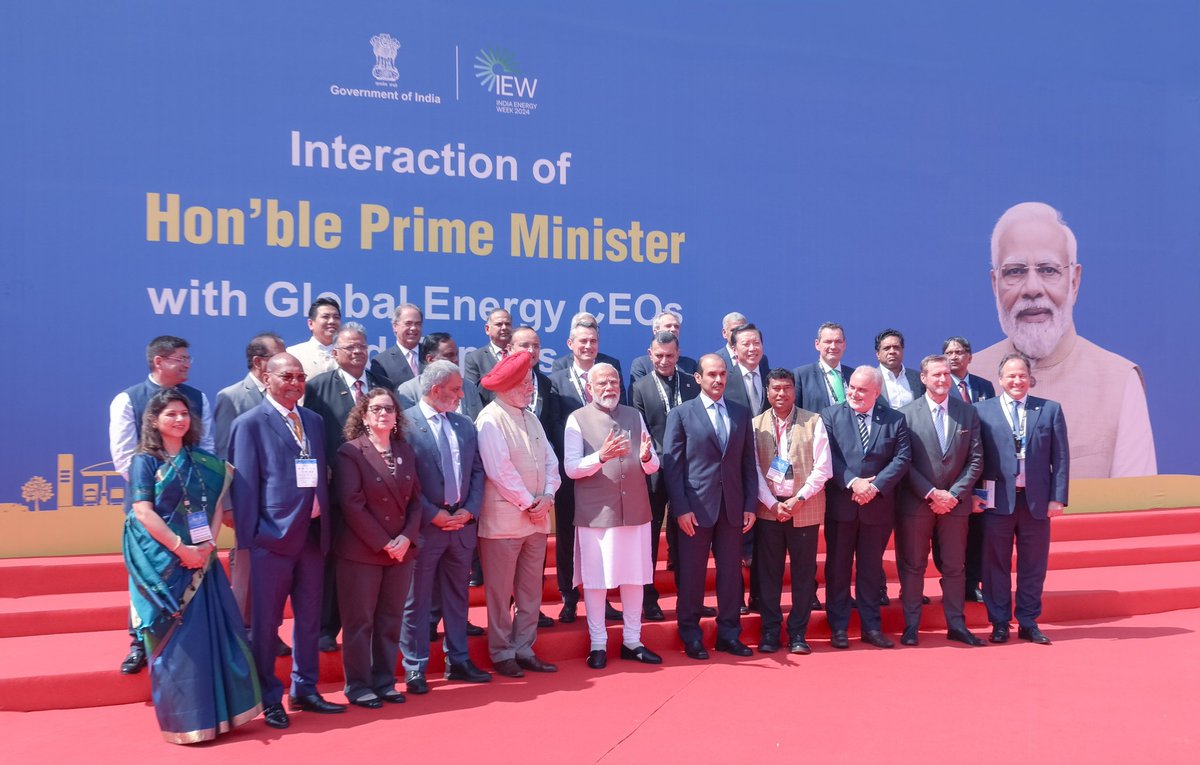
(608, 558)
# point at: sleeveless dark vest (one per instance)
(140, 395)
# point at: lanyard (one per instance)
(533, 400)
(183, 482)
(783, 435)
(662, 391)
(578, 383)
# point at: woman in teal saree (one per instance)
(202, 676)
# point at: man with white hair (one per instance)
(612, 511)
(664, 321)
(1035, 277)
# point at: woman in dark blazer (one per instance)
(375, 545)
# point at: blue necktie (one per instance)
(722, 432)
(939, 423)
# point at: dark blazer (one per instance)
(563, 362)
(646, 399)
(914, 383)
(978, 388)
(410, 393)
(429, 463)
(699, 476)
(1047, 457)
(764, 366)
(328, 395)
(642, 366)
(270, 512)
(735, 390)
(812, 389)
(390, 365)
(886, 457)
(240, 397)
(955, 471)
(375, 505)
(476, 365)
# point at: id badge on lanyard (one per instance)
(306, 473)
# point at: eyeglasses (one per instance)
(352, 348)
(1017, 272)
(181, 360)
(381, 409)
(289, 377)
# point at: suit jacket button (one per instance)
(378, 479)
(387, 517)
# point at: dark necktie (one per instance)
(962, 389)
(722, 432)
(358, 390)
(450, 485)
(862, 430)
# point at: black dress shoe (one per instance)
(909, 637)
(1033, 635)
(800, 646)
(611, 614)
(371, 703)
(393, 697)
(508, 668)
(999, 633)
(314, 703)
(695, 651)
(963, 636)
(816, 604)
(924, 600)
(474, 630)
(135, 660)
(878, 639)
(544, 621)
(475, 582)
(281, 648)
(275, 717)
(708, 611)
(653, 613)
(884, 600)
(735, 647)
(768, 645)
(597, 659)
(467, 672)
(744, 610)
(327, 644)
(839, 639)
(433, 633)
(755, 605)
(415, 682)
(534, 664)
(975, 594)
(642, 654)
(567, 614)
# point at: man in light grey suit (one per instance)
(451, 474)
(935, 497)
(240, 397)
(439, 346)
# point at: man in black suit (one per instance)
(402, 362)
(871, 454)
(664, 321)
(481, 360)
(1026, 460)
(971, 389)
(900, 386)
(568, 388)
(935, 498)
(281, 498)
(451, 474)
(746, 385)
(585, 319)
(728, 352)
(823, 382)
(332, 395)
(712, 481)
(440, 346)
(655, 395)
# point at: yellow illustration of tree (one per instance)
(37, 490)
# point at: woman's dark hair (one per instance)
(151, 440)
(355, 423)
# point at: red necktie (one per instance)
(358, 390)
(962, 389)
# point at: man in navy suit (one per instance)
(281, 513)
(451, 474)
(1025, 454)
(664, 321)
(871, 454)
(402, 362)
(712, 481)
(823, 382)
(971, 389)
(728, 352)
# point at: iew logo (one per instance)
(498, 73)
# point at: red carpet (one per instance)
(1117, 691)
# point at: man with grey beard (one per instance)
(1035, 277)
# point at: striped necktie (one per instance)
(862, 429)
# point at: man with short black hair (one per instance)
(480, 361)
(664, 321)
(316, 353)
(440, 346)
(900, 385)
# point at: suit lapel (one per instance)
(426, 429)
(375, 460)
(284, 431)
(1033, 410)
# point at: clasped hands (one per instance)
(687, 523)
(448, 521)
(863, 490)
(398, 547)
(540, 508)
(941, 501)
(195, 556)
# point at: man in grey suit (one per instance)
(900, 386)
(499, 331)
(439, 346)
(451, 474)
(240, 397)
(402, 362)
(935, 498)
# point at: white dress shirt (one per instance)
(435, 420)
(896, 387)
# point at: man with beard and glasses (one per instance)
(1035, 277)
